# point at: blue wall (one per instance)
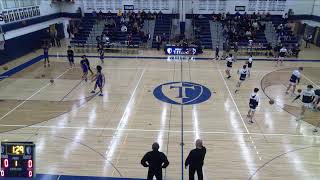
(22, 45)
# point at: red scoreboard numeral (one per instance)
(30, 164)
(30, 173)
(6, 163)
(2, 173)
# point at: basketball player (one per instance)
(46, 55)
(316, 101)
(217, 53)
(243, 74)
(100, 81)
(294, 80)
(70, 54)
(85, 68)
(84, 57)
(253, 104)
(250, 60)
(101, 53)
(308, 96)
(282, 55)
(230, 60)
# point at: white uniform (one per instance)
(307, 98)
(250, 62)
(254, 101)
(230, 60)
(294, 77)
(243, 74)
(283, 52)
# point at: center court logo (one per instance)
(182, 93)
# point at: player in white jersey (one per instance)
(253, 104)
(282, 54)
(308, 96)
(230, 60)
(294, 80)
(250, 61)
(243, 72)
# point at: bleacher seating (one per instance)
(291, 40)
(85, 29)
(122, 37)
(162, 25)
(204, 32)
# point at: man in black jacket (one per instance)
(195, 160)
(155, 160)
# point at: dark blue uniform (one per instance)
(70, 56)
(100, 80)
(84, 66)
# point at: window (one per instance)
(262, 5)
(212, 5)
(146, 5)
(137, 4)
(164, 4)
(118, 4)
(222, 5)
(108, 4)
(202, 4)
(252, 5)
(272, 5)
(155, 4)
(99, 5)
(281, 5)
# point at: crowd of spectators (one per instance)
(129, 22)
(241, 28)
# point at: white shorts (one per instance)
(292, 83)
(229, 68)
(308, 105)
(252, 110)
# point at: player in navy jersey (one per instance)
(70, 54)
(294, 80)
(316, 101)
(85, 68)
(217, 53)
(101, 53)
(308, 97)
(84, 57)
(100, 80)
(243, 72)
(46, 55)
(253, 104)
(230, 61)
(250, 61)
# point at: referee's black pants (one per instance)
(157, 173)
(193, 170)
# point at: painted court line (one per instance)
(156, 130)
(31, 96)
(310, 80)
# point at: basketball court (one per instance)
(78, 133)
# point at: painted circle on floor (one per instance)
(182, 93)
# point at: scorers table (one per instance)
(17, 159)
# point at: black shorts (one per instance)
(252, 106)
(71, 59)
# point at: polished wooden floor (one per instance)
(80, 134)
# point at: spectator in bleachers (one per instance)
(158, 41)
(100, 15)
(94, 14)
(119, 14)
(308, 40)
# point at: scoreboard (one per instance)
(17, 159)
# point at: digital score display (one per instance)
(17, 159)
